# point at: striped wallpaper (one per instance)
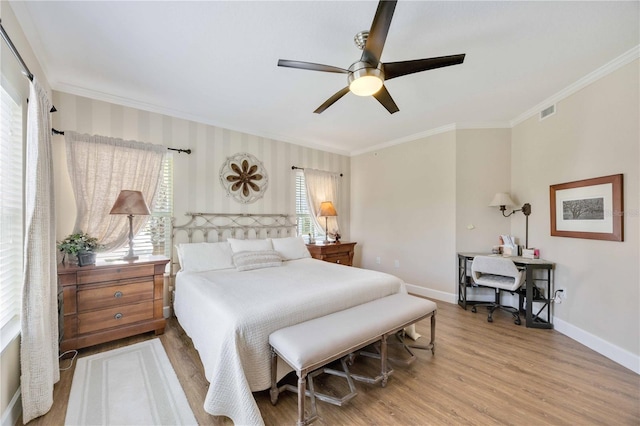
(197, 185)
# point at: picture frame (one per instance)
(589, 208)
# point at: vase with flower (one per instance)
(78, 249)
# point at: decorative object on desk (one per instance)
(130, 203)
(502, 200)
(336, 236)
(75, 244)
(244, 178)
(531, 253)
(589, 208)
(326, 210)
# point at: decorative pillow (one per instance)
(197, 257)
(291, 248)
(249, 245)
(248, 260)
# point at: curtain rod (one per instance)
(302, 168)
(187, 151)
(25, 69)
(12, 48)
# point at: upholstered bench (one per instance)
(311, 345)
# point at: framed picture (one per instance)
(589, 208)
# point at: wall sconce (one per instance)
(130, 203)
(327, 210)
(502, 200)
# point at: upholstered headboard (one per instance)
(213, 227)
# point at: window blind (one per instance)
(305, 223)
(155, 237)
(11, 210)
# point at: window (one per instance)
(305, 221)
(155, 237)
(11, 211)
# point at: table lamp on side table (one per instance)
(327, 210)
(130, 203)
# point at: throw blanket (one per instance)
(229, 315)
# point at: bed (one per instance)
(229, 308)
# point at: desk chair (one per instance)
(499, 273)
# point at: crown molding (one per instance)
(622, 60)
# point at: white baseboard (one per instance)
(13, 411)
(166, 311)
(611, 351)
(432, 294)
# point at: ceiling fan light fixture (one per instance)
(365, 81)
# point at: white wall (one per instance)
(595, 132)
(483, 167)
(404, 208)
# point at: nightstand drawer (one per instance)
(114, 317)
(342, 259)
(115, 295)
(115, 273)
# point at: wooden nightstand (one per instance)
(111, 300)
(341, 253)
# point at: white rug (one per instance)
(133, 385)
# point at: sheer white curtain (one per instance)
(39, 322)
(323, 186)
(100, 167)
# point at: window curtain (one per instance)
(323, 186)
(39, 322)
(100, 167)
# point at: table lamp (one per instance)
(327, 210)
(130, 203)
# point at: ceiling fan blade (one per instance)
(332, 100)
(386, 100)
(310, 66)
(378, 32)
(398, 69)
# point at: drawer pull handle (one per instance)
(118, 316)
(117, 294)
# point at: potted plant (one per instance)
(78, 248)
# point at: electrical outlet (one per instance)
(378, 260)
(396, 263)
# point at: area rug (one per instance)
(133, 385)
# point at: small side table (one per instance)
(341, 253)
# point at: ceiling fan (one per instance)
(366, 77)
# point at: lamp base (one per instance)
(131, 257)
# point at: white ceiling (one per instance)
(215, 62)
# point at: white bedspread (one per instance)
(229, 315)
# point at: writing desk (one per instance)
(543, 297)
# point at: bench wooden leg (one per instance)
(433, 334)
(274, 377)
(302, 381)
(383, 360)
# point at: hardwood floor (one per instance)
(482, 373)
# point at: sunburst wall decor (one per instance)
(244, 178)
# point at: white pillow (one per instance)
(197, 257)
(249, 245)
(248, 260)
(291, 248)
